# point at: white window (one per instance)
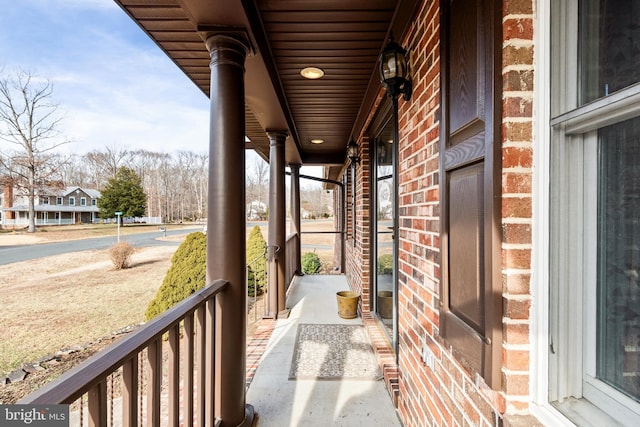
(72, 201)
(93, 202)
(45, 200)
(594, 337)
(58, 200)
(83, 201)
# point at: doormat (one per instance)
(333, 352)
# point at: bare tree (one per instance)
(257, 186)
(29, 122)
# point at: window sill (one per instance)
(584, 414)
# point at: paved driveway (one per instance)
(10, 254)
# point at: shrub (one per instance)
(311, 263)
(385, 264)
(120, 254)
(256, 255)
(187, 274)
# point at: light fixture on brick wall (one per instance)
(352, 152)
(394, 70)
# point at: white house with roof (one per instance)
(53, 206)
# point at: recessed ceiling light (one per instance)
(312, 73)
(317, 141)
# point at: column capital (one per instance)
(226, 45)
(277, 137)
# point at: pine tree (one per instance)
(256, 246)
(123, 193)
(187, 274)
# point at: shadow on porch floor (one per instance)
(281, 402)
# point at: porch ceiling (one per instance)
(342, 37)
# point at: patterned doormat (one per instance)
(333, 352)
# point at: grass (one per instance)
(65, 300)
(61, 301)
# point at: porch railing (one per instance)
(292, 242)
(147, 372)
(256, 274)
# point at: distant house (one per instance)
(53, 206)
(256, 210)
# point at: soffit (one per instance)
(342, 37)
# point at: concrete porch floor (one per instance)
(281, 402)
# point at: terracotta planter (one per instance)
(347, 304)
(385, 304)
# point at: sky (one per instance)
(113, 85)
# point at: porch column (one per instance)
(277, 225)
(295, 213)
(226, 228)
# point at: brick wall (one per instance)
(517, 161)
(357, 250)
(448, 394)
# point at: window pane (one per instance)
(609, 46)
(618, 343)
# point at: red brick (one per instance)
(516, 233)
(517, 7)
(515, 384)
(516, 308)
(516, 207)
(516, 284)
(517, 55)
(517, 107)
(517, 131)
(516, 258)
(517, 333)
(516, 182)
(517, 157)
(515, 360)
(519, 28)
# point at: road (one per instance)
(10, 254)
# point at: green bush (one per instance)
(256, 246)
(186, 275)
(385, 264)
(311, 263)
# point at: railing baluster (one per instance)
(200, 366)
(130, 392)
(154, 381)
(140, 357)
(209, 359)
(174, 375)
(98, 404)
(188, 374)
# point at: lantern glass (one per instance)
(393, 63)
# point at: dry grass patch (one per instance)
(65, 300)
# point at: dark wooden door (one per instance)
(470, 318)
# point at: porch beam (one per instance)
(277, 225)
(226, 221)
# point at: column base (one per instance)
(284, 314)
(250, 417)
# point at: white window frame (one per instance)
(83, 201)
(59, 200)
(72, 201)
(566, 144)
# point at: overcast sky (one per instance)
(113, 84)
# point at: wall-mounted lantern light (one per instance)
(352, 152)
(394, 70)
